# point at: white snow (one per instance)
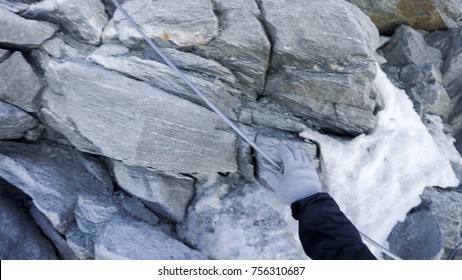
(377, 178)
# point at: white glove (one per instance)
(299, 180)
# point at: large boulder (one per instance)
(19, 85)
(449, 42)
(427, 15)
(187, 24)
(432, 230)
(53, 177)
(161, 76)
(322, 66)
(242, 44)
(109, 114)
(84, 19)
(417, 238)
(416, 67)
(17, 32)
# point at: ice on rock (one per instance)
(377, 178)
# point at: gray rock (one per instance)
(65, 253)
(19, 85)
(342, 64)
(21, 238)
(35, 133)
(417, 238)
(80, 243)
(223, 5)
(416, 66)
(161, 76)
(275, 116)
(241, 45)
(144, 243)
(4, 54)
(168, 194)
(298, 31)
(162, 128)
(408, 46)
(430, 98)
(427, 15)
(93, 212)
(191, 62)
(137, 209)
(190, 24)
(17, 32)
(446, 207)
(450, 44)
(226, 221)
(84, 19)
(338, 102)
(15, 6)
(333, 117)
(14, 122)
(53, 177)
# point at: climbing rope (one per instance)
(218, 111)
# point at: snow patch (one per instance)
(377, 178)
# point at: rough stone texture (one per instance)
(84, 19)
(108, 114)
(21, 238)
(156, 121)
(53, 177)
(417, 238)
(138, 210)
(450, 44)
(161, 76)
(227, 221)
(241, 45)
(14, 122)
(416, 66)
(408, 46)
(15, 6)
(223, 5)
(144, 243)
(191, 62)
(19, 85)
(168, 194)
(446, 208)
(162, 23)
(273, 115)
(93, 212)
(64, 252)
(427, 15)
(313, 53)
(80, 243)
(17, 32)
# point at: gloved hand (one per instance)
(299, 180)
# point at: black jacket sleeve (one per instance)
(325, 232)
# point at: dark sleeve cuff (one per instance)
(298, 205)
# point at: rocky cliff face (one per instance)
(116, 158)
